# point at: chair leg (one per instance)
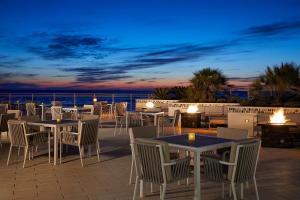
(256, 190)
(120, 130)
(9, 154)
(131, 169)
(141, 188)
(242, 191)
(19, 148)
(223, 190)
(98, 150)
(233, 191)
(49, 147)
(230, 192)
(135, 187)
(116, 128)
(25, 155)
(60, 151)
(164, 187)
(80, 154)
(151, 188)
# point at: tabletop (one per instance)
(201, 143)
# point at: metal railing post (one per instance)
(53, 96)
(112, 99)
(32, 97)
(9, 99)
(131, 102)
(74, 99)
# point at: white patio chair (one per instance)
(139, 132)
(120, 116)
(172, 121)
(56, 112)
(3, 124)
(240, 168)
(87, 135)
(153, 165)
(19, 136)
(3, 108)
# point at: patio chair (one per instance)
(240, 168)
(3, 108)
(139, 132)
(56, 112)
(3, 123)
(30, 109)
(87, 135)
(56, 103)
(153, 165)
(172, 121)
(120, 116)
(19, 136)
(232, 134)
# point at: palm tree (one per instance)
(161, 93)
(279, 81)
(206, 83)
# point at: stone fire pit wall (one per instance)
(163, 104)
(245, 117)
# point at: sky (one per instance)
(142, 44)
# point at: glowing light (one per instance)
(94, 99)
(278, 117)
(58, 120)
(191, 136)
(192, 109)
(150, 105)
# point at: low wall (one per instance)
(207, 108)
(163, 104)
(248, 117)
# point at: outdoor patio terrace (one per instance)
(278, 176)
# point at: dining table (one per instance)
(199, 144)
(56, 125)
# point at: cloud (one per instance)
(7, 62)
(274, 29)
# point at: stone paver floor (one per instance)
(278, 176)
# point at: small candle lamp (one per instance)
(58, 120)
(192, 137)
(94, 99)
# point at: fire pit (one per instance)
(276, 132)
(192, 118)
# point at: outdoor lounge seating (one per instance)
(19, 136)
(239, 169)
(153, 165)
(87, 135)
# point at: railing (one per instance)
(16, 100)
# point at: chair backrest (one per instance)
(142, 132)
(88, 130)
(90, 107)
(18, 113)
(56, 112)
(176, 118)
(120, 108)
(150, 155)
(3, 108)
(30, 109)
(89, 117)
(232, 133)
(17, 133)
(56, 103)
(34, 118)
(97, 108)
(3, 121)
(245, 156)
(134, 119)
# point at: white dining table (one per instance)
(201, 144)
(56, 131)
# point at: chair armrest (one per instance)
(36, 133)
(225, 153)
(226, 163)
(68, 132)
(180, 168)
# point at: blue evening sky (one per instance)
(142, 44)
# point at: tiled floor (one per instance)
(278, 176)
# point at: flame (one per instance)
(150, 105)
(192, 109)
(278, 117)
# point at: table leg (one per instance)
(55, 144)
(126, 122)
(197, 175)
